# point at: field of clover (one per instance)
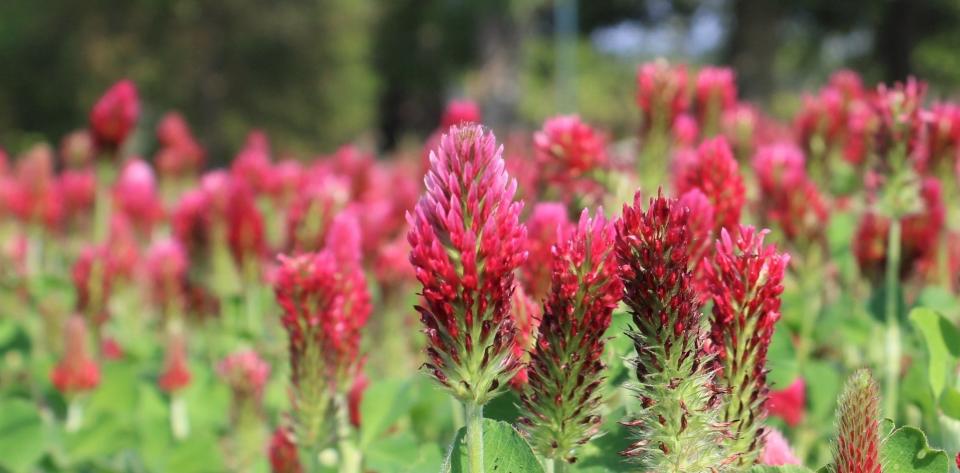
(720, 292)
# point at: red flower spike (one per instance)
(179, 155)
(77, 371)
(569, 149)
(716, 173)
(252, 164)
(78, 189)
(788, 198)
(135, 194)
(167, 265)
(746, 283)
(716, 92)
(654, 249)
(284, 457)
(176, 373)
(858, 426)
(322, 196)
(466, 242)
(662, 93)
(585, 290)
(547, 225)
(790, 403)
(115, 115)
(246, 373)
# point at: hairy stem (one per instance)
(473, 413)
(350, 457)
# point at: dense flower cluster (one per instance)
(466, 241)
(746, 282)
(561, 401)
(679, 428)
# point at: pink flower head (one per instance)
(466, 242)
(252, 164)
(568, 148)
(77, 149)
(285, 181)
(179, 154)
(246, 373)
(714, 171)
(135, 194)
(176, 373)
(34, 197)
(392, 266)
(790, 403)
(788, 198)
(899, 108)
(245, 225)
(561, 400)
(190, 222)
(77, 371)
(460, 112)
(686, 131)
(746, 282)
(308, 218)
(284, 457)
(326, 305)
(716, 92)
(78, 188)
(776, 450)
(662, 92)
(115, 115)
(848, 83)
(943, 136)
(548, 224)
(166, 262)
(356, 165)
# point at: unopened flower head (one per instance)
(115, 115)
(858, 426)
(562, 398)
(679, 427)
(466, 242)
(746, 283)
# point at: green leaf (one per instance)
(906, 450)
(402, 453)
(21, 435)
(504, 451)
(383, 404)
(943, 345)
(950, 402)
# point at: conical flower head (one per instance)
(547, 225)
(77, 371)
(561, 401)
(716, 173)
(662, 93)
(746, 283)
(679, 428)
(114, 115)
(466, 242)
(858, 426)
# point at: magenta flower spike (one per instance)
(561, 401)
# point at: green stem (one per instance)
(892, 321)
(549, 465)
(179, 421)
(473, 413)
(74, 415)
(350, 457)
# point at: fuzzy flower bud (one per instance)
(858, 426)
(115, 115)
(466, 242)
(746, 283)
(547, 225)
(679, 428)
(77, 371)
(716, 173)
(561, 401)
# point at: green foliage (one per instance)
(906, 450)
(22, 435)
(504, 450)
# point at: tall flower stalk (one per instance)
(746, 283)
(466, 243)
(326, 305)
(679, 428)
(561, 402)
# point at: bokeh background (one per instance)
(318, 73)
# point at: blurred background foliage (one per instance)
(318, 73)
